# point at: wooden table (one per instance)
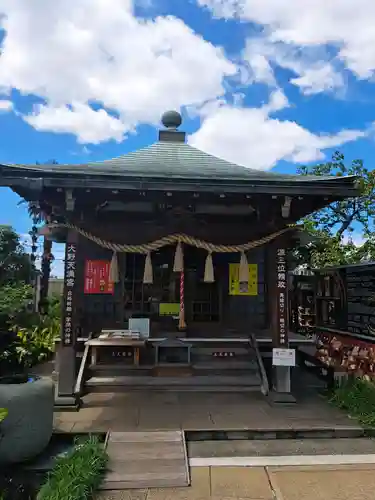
(95, 344)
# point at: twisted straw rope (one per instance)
(173, 238)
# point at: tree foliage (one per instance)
(15, 262)
(16, 302)
(333, 227)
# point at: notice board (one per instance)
(246, 289)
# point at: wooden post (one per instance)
(283, 358)
(66, 354)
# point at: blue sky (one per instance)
(263, 86)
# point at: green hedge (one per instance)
(357, 397)
(78, 474)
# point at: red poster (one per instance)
(97, 277)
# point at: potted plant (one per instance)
(28, 425)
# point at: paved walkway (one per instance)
(242, 483)
(197, 411)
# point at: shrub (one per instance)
(78, 474)
(15, 305)
(357, 396)
(26, 338)
(34, 345)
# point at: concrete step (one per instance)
(198, 371)
(213, 383)
(207, 366)
(281, 447)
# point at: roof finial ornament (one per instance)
(171, 120)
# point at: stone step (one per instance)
(212, 383)
(281, 447)
(198, 369)
(146, 460)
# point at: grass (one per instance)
(357, 397)
(77, 475)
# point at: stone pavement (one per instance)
(259, 483)
(197, 411)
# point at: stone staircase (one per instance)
(208, 372)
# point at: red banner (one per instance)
(97, 277)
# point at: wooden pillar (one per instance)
(283, 358)
(66, 354)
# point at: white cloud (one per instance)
(313, 72)
(319, 79)
(345, 26)
(80, 119)
(5, 105)
(251, 137)
(260, 68)
(76, 52)
(277, 102)
(100, 72)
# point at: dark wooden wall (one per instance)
(134, 229)
(345, 299)
(235, 313)
(241, 312)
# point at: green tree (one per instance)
(333, 226)
(16, 304)
(15, 262)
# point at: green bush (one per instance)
(78, 474)
(26, 338)
(35, 345)
(15, 305)
(357, 397)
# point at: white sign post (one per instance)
(283, 357)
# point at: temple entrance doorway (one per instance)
(160, 301)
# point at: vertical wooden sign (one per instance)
(69, 283)
(282, 297)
